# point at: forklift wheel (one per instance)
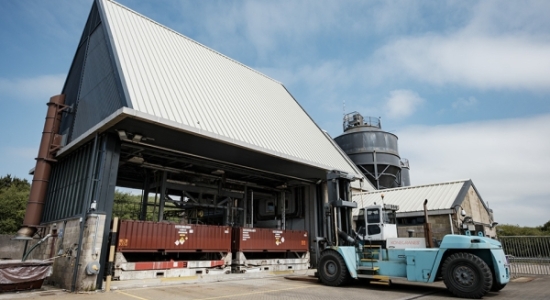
(466, 275)
(332, 269)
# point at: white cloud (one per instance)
(488, 45)
(271, 23)
(39, 88)
(485, 53)
(259, 29)
(495, 17)
(506, 159)
(510, 62)
(402, 103)
(464, 104)
(268, 30)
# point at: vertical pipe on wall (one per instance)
(49, 145)
(451, 222)
(427, 227)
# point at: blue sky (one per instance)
(464, 84)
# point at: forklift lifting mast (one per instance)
(469, 266)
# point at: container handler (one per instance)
(470, 266)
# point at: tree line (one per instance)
(14, 194)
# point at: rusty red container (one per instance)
(146, 236)
(269, 240)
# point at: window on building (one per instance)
(411, 221)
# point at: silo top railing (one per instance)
(356, 119)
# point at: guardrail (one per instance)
(527, 255)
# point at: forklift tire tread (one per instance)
(332, 269)
(466, 275)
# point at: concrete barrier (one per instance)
(13, 249)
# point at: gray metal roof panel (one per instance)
(441, 196)
(175, 78)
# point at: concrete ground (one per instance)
(298, 285)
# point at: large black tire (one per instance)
(466, 275)
(332, 269)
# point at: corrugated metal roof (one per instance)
(441, 196)
(172, 77)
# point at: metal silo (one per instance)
(373, 150)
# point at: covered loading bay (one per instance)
(150, 109)
(215, 182)
(192, 179)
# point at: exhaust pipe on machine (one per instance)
(49, 144)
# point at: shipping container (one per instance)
(146, 236)
(269, 240)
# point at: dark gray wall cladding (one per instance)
(71, 90)
(98, 96)
(67, 186)
(72, 84)
(91, 24)
(73, 184)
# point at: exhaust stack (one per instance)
(50, 143)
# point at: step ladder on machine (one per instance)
(371, 255)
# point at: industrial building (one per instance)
(454, 207)
(233, 172)
(219, 144)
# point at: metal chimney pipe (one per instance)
(49, 145)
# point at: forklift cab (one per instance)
(377, 222)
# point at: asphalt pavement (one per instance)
(269, 285)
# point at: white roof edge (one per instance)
(189, 39)
(420, 213)
(114, 118)
(416, 186)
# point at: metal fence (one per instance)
(527, 255)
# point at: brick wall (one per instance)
(440, 227)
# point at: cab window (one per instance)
(373, 215)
